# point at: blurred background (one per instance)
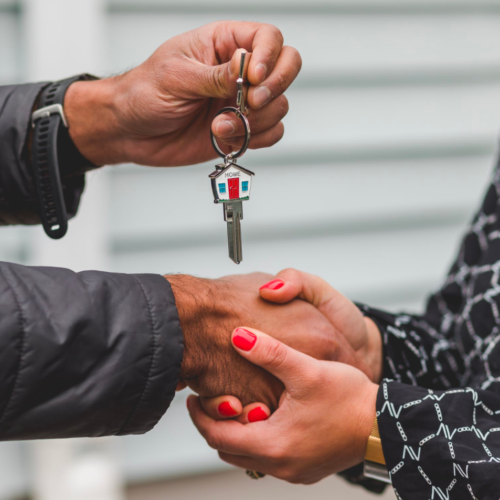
(392, 131)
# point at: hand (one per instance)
(209, 310)
(160, 113)
(362, 333)
(322, 424)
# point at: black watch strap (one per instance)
(53, 155)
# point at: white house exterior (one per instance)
(231, 183)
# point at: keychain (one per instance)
(231, 183)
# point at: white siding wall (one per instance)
(393, 122)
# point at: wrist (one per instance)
(203, 312)
(91, 110)
(367, 415)
(373, 352)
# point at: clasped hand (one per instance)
(326, 409)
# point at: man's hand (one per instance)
(362, 333)
(209, 310)
(321, 426)
(160, 113)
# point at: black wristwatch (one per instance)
(54, 155)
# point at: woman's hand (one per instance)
(362, 333)
(322, 424)
(160, 113)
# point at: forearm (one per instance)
(85, 354)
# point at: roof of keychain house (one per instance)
(231, 183)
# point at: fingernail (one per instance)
(257, 414)
(261, 96)
(243, 339)
(226, 410)
(225, 128)
(273, 285)
(260, 71)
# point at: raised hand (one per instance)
(160, 112)
(321, 427)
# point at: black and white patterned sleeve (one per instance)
(439, 405)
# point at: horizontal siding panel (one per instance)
(363, 266)
(353, 118)
(332, 44)
(149, 204)
(9, 47)
(345, 6)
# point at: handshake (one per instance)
(286, 370)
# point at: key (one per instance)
(233, 214)
(230, 182)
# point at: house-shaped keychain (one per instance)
(231, 183)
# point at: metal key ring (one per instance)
(246, 142)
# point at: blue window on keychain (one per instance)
(222, 188)
(244, 186)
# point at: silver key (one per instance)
(233, 214)
(231, 183)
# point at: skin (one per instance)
(361, 333)
(322, 424)
(160, 112)
(209, 310)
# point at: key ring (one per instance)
(246, 142)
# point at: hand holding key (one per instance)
(159, 113)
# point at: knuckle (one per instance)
(285, 106)
(214, 80)
(276, 453)
(276, 355)
(289, 475)
(277, 34)
(281, 82)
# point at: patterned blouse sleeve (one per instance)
(439, 405)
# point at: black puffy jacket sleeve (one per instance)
(81, 354)
(85, 354)
(18, 199)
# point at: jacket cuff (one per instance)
(18, 198)
(165, 356)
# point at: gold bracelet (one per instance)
(374, 452)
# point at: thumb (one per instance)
(285, 363)
(290, 284)
(219, 81)
(342, 313)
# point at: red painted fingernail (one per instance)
(273, 285)
(257, 414)
(243, 339)
(226, 410)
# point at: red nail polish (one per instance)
(273, 285)
(243, 339)
(257, 414)
(226, 410)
